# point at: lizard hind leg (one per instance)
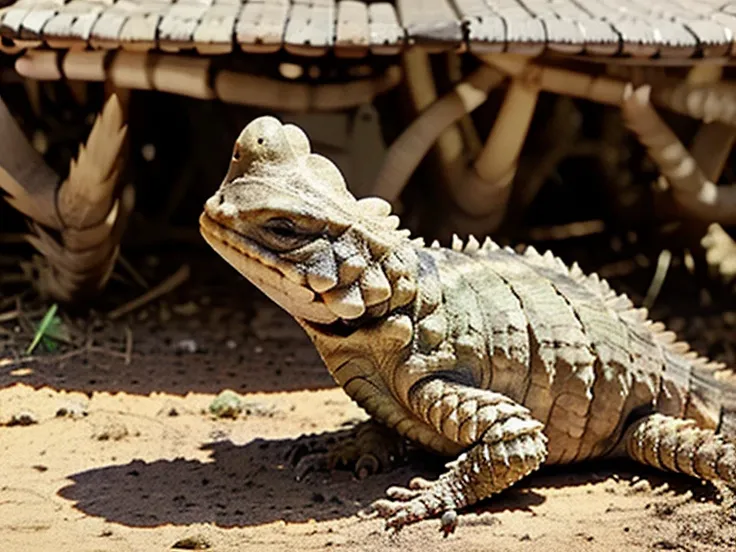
(368, 448)
(679, 445)
(504, 445)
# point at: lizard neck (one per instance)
(371, 278)
(401, 269)
(395, 276)
(409, 324)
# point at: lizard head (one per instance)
(284, 218)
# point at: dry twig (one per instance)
(168, 285)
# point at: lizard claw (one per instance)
(367, 465)
(305, 446)
(448, 523)
(318, 461)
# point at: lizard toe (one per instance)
(408, 506)
(413, 511)
(419, 483)
(402, 493)
(385, 508)
(417, 487)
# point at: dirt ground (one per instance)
(107, 450)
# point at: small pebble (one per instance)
(112, 432)
(231, 344)
(23, 418)
(187, 346)
(227, 404)
(640, 486)
(195, 542)
(72, 410)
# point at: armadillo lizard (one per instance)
(503, 360)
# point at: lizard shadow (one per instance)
(243, 485)
(621, 476)
(253, 484)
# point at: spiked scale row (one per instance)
(619, 303)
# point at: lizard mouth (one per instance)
(244, 255)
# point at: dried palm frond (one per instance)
(85, 210)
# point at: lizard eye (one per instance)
(283, 228)
(283, 234)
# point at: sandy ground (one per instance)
(121, 456)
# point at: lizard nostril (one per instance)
(236, 155)
(222, 200)
(260, 141)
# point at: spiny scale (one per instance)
(618, 302)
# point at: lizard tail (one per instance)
(709, 400)
(679, 445)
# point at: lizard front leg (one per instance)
(504, 444)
